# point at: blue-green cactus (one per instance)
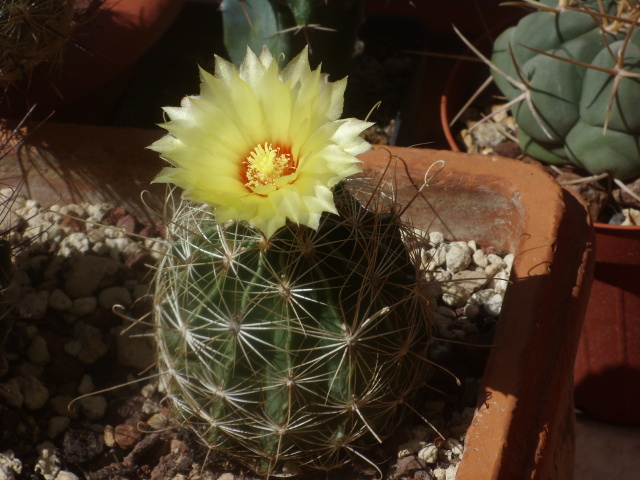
(328, 27)
(574, 114)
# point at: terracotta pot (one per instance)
(607, 368)
(523, 426)
(97, 62)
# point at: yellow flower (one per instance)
(260, 144)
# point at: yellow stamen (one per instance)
(266, 164)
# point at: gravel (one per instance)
(81, 282)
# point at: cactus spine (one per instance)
(300, 348)
(32, 32)
(579, 66)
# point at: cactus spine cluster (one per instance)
(300, 349)
(327, 27)
(576, 66)
(31, 33)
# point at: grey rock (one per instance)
(111, 296)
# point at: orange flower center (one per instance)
(265, 164)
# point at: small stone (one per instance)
(65, 475)
(496, 260)
(93, 407)
(11, 394)
(227, 476)
(500, 282)
(35, 393)
(436, 238)
(480, 258)
(92, 348)
(60, 405)
(148, 390)
(10, 466)
(88, 273)
(72, 348)
(33, 306)
(84, 306)
(410, 448)
(455, 296)
(86, 385)
(57, 425)
(127, 436)
(157, 421)
(59, 300)
(458, 257)
(82, 446)
(48, 464)
(471, 311)
(109, 436)
(128, 223)
(508, 260)
(429, 453)
(135, 349)
(75, 243)
(493, 305)
(114, 296)
(38, 353)
(409, 464)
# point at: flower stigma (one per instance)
(265, 164)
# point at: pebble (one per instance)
(109, 436)
(157, 421)
(57, 425)
(11, 393)
(33, 306)
(84, 306)
(86, 385)
(93, 407)
(88, 273)
(34, 392)
(59, 300)
(38, 352)
(92, 348)
(60, 405)
(127, 436)
(458, 257)
(135, 347)
(429, 453)
(10, 466)
(49, 463)
(109, 297)
(82, 446)
(65, 475)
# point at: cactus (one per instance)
(328, 27)
(292, 320)
(31, 33)
(576, 67)
(300, 348)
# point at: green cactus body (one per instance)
(571, 103)
(303, 347)
(328, 27)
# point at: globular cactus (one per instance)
(301, 348)
(575, 65)
(293, 323)
(327, 27)
(31, 33)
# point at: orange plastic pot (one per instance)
(523, 425)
